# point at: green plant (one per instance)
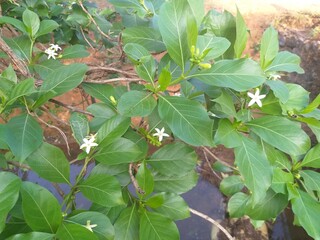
(225, 98)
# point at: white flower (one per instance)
(255, 98)
(274, 76)
(160, 134)
(89, 226)
(178, 94)
(89, 143)
(55, 47)
(51, 53)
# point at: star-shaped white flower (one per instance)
(256, 98)
(88, 143)
(89, 226)
(51, 53)
(160, 134)
(55, 47)
(273, 76)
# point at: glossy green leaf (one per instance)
(46, 67)
(103, 92)
(157, 227)
(307, 211)
(172, 206)
(187, 119)
(280, 180)
(9, 193)
(147, 37)
(226, 104)
(279, 89)
(32, 236)
(101, 112)
(136, 103)
(227, 134)
(144, 63)
(21, 46)
(312, 159)
(311, 180)
(120, 171)
(102, 189)
(126, 3)
(23, 88)
(14, 22)
(281, 133)
(64, 78)
(240, 75)
(298, 98)
(40, 208)
(213, 46)
(270, 207)
(72, 231)
(104, 229)
(175, 184)
(172, 25)
(173, 159)
(75, 51)
(241, 35)
(31, 21)
(231, 185)
(127, 225)
(144, 179)
(23, 136)
(139, 140)
(312, 106)
(254, 168)
(10, 74)
(79, 126)
(50, 163)
(113, 128)
(285, 62)
(120, 150)
(46, 27)
(269, 47)
(237, 204)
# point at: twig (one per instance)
(111, 69)
(45, 109)
(218, 159)
(85, 38)
(21, 65)
(59, 190)
(207, 160)
(134, 181)
(19, 165)
(209, 219)
(114, 80)
(73, 109)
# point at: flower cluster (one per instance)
(52, 51)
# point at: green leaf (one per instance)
(280, 180)
(254, 168)
(10, 74)
(103, 92)
(32, 236)
(312, 106)
(270, 207)
(127, 225)
(174, 159)
(74, 232)
(241, 35)
(187, 119)
(173, 28)
(9, 193)
(31, 21)
(80, 126)
(279, 89)
(21, 46)
(104, 229)
(240, 75)
(269, 47)
(40, 208)
(23, 88)
(145, 180)
(307, 211)
(147, 37)
(136, 103)
(197, 10)
(144, 63)
(50, 163)
(75, 51)
(46, 27)
(64, 78)
(312, 158)
(14, 22)
(231, 185)
(164, 79)
(175, 184)
(311, 180)
(281, 133)
(46, 67)
(226, 104)
(237, 205)
(120, 150)
(101, 112)
(23, 136)
(102, 189)
(285, 62)
(157, 227)
(213, 46)
(227, 134)
(172, 206)
(298, 98)
(120, 171)
(113, 128)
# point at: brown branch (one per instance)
(19, 165)
(59, 190)
(209, 219)
(114, 80)
(216, 157)
(134, 181)
(113, 70)
(85, 38)
(18, 63)
(73, 109)
(209, 165)
(45, 109)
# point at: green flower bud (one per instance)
(205, 65)
(192, 50)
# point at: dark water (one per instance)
(204, 198)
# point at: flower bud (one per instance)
(205, 65)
